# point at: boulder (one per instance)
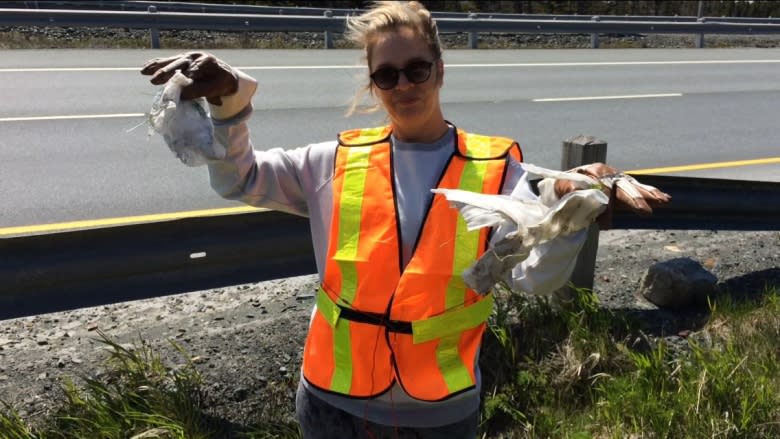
(678, 283)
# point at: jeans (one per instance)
(319, 420)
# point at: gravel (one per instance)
(246, 337)
(64, 37)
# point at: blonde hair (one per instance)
(386, 16)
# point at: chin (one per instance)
(408, 113)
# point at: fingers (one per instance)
(161, 69)
(154, 64)
(161, 76)
(211, 77)
(653, 195)
(628, 195)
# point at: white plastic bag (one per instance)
(522, 224)
(185, 125)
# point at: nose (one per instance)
(403, 81)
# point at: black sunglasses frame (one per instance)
(396, 74)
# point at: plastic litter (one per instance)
(523, 224)
(184, 124)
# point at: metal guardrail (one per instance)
(328, 23)
(215, 8)
(61, 271)
(69, 270)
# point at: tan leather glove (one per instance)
(624, 191)
(212, 78)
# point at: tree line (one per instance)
(709, 8)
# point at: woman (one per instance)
(393, 344)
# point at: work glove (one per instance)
(211, 77)
(623, 190)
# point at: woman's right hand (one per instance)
(212, 78)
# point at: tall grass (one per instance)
(550, 370)
(138, 397)
(576, 371)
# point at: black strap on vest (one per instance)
(373, 318)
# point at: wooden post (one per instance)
(700, 37)
(594, 37)
(155, 32)
(473, 37)
(578, 151)
(328, 35)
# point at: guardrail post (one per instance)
(473, 37)
(594, 37)
(578, 151)
(700, 37)
(155, 32)
(328, 35)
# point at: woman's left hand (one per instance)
(624, 191)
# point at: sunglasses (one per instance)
(416, 72)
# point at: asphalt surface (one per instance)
(705, 106)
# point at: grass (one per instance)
(573, 370)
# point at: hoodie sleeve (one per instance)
(278, 179)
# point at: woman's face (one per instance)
(412, 108)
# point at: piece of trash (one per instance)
(522, 224)
(184, 124)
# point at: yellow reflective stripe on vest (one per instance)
(456, 374)
(342, 375)
(466, 242)
(453, 321)
(328, 308)
(350, 213)
(371, 135)
(365, 136)
(479, 146)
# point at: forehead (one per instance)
(396, 48)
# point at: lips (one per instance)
(408, 100)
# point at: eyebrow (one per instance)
(409, 61)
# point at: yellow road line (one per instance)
(71, 225)
(58, 227)
(766, 161)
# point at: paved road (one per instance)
(67, 152)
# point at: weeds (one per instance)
(12, 426)
(138, 397)
(592, 384)
(549, 371)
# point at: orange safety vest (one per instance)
(374, 323)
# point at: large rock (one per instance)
(678, 283)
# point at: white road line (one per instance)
(78, 116)
(126, 115)
(599, 98)
(621, 63)
(546, 64)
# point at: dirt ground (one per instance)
(242, 338)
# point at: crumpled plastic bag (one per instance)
(184, 124)
(523, 224)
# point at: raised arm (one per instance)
(277, 179)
